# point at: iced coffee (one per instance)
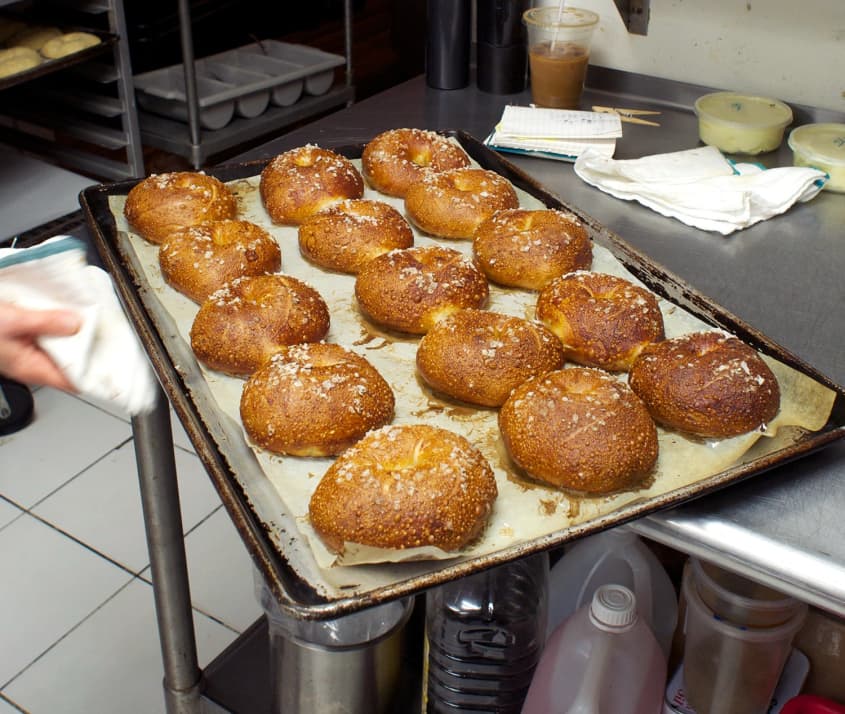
(558, 54)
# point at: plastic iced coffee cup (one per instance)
(558, 53)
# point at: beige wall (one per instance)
(790, 49)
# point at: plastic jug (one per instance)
(616, 556)
(602, 660)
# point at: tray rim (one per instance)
(298, 598)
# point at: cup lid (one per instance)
(551, 17)
(820, 142)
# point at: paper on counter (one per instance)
(561, 134)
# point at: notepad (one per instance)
(561, 134)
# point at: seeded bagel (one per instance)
(579, 428)
(602, 320)
(405, 487)
(162, 204)
(480, 357)
(314, 399)
(452, 204)
(706, 383)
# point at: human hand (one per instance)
(21, 358)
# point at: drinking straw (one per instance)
(559, 17)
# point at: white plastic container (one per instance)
(740, 601)
(821, 146)
(617, 556)
(602, 660)
(741, 123)
(729, 668)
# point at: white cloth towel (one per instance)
(104, 358)
(701, 187)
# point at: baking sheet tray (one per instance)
(275, 542)
(50, 66)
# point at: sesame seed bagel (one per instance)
(249, 319)
(314, 399)
(581, 429)
(706, 383)
(602, 320)
(161, 204)
(452, 204)
(410, 290)
(198, 260)
(303, 181)
(348, 234)
(405, 487)
(480, 357)
(397, 158)
(527, 249)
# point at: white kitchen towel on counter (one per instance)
(701, 188)
(104, 358)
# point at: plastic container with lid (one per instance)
(740, 601)
(740, 123)
(620, 557)
(730, 668)
(603, 660)
(821, 146)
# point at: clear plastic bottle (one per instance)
(484, 636)
(603, 660)
(616, 556)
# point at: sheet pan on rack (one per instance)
(249, 485)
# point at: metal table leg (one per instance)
(163, 522)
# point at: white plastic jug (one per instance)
(616, 556)
(602, 660)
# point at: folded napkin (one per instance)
(702, 188)
(104, 359)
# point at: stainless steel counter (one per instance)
(784, 277)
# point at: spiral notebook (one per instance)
(561, 134)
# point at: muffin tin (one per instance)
(241, 82)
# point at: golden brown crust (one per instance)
(579, 428)
(161, 204)
(602, 320)
(300, 182)
(405, 487)
(527, 249)
(480, 356)
(410, 290)
(314, 399)
(198, 260)
(345, 236)
(397, 158)
(452, 204)
(244, 323)
(706, 383)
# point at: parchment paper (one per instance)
(523, 511)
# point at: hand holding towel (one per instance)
(104, 358)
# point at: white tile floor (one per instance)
(78, 629)
(77, 622)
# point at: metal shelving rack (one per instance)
(90, 122)
(197, 146)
